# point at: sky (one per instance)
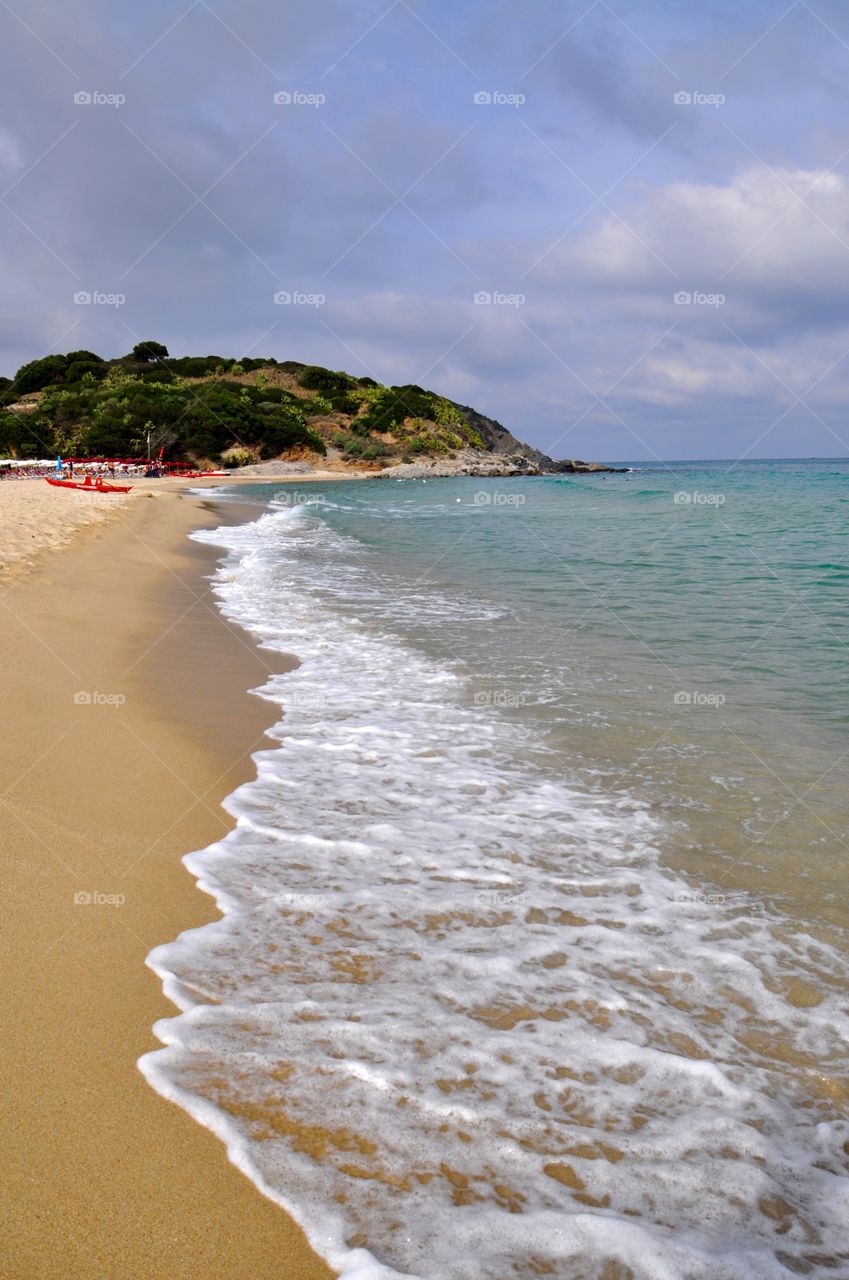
(621, 229)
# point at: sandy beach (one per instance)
(126, 722)
(36, 517)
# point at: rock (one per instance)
(574, 466)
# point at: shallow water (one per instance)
(534, 957)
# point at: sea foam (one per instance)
(456, 1018)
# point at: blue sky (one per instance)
(531, 157)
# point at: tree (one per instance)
(39, 374)
(90, 357)
(149, 351)
(11, 433)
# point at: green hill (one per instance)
(212, 409)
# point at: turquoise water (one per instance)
(742, 590)
(697, 648)
(534, 956)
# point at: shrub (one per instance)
(314, 378)
(242, 458)
(91, 369)
(197, 366)
(377, 449)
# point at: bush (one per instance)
(197, 366)
(349, 404)
(318, 404)
(391, 405)
(79, 368)
(250, 363)
(314, 378)
(377, 449)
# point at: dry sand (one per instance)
(35, 515)
(103, 1179)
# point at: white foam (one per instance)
(442, 972)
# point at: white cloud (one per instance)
(765, 233)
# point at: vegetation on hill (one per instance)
(216, 409)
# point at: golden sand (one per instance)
(35, 516)
(101, 797)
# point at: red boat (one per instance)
(97, 487)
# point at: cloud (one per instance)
(765, 234)
(292, 198)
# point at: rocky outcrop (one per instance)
(512, 457)
(468, 462)
(573, 466)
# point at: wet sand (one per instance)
(125, 724)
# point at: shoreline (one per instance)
(104, 795)
(35, 518)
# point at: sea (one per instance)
(533, 958)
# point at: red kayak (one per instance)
(97, 487)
